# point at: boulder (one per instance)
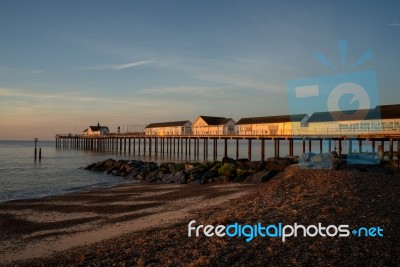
(261, 176)
(240, 178)
(195, 177)
(228, 160)
(227, 169)
(277, 164)
(118, 164)
(210, 174)
(306, 157)
(109, 163)
(220, 179)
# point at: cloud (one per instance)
(394, 24)
(117, 67)
(8, 70)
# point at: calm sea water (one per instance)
(60, 170)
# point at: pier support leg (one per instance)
(350, 146)
(320, 146)
(304, 146)
(262, 149)
(215, 148)
(150, 145)
(309, 145)
(189, 145)
(391, 149)
(373, 148)
(204, 148)
(360, 146)
(330, 145)
(225, 147)
(237, 149)
(340, 147)
(249, 150)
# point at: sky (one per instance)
(65, 65)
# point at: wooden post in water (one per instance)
(144, 145)
(329, 145)
(340, 147)
(225, 147)
(350, 141)
(40, 154)
(309, 145)
(237, 148)
(360, 146)
(278, 147)
(35, 140)
(373, 148)
(249, 149)
(262, 149)
(139, 145)
(320, 146)
(304, 146)
(391, 149)
(189, 141)
(204, 148)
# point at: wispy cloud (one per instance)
(397, 24)
(117, 67)
(9, 70)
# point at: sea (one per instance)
(61, 171)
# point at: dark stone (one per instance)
(195, 176)
(228, 160)
(277, 164)
(261, 176)
(210, 174)
(227, 169)
(118, 164)
(240, 178)
(109, 163)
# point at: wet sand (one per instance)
(146, 225)
(40, 227)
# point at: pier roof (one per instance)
(215, 120)
(167, 124)
(272, 119)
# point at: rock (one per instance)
(306, 157)
(243, 171)
(179, 167)
(91, 167)
(195, 177)
(220, 179)
(109, 171)
(228, 160)
(210, 174)
(277, 164)
(118, 164)
(261, 176)
(177, 177)
(152, 176)
(240, 178)
(109, 163)
(227, 169)
(242, 163)
(255, 165)
(215, 166)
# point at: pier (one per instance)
(189, 145)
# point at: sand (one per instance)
(41, 227)
(146, 225)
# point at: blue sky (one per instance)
(65, 65)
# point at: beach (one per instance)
(147, 224)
